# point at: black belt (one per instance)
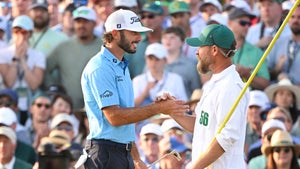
(119, 146)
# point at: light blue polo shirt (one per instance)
(106, 81)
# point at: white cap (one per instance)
(124, 20)
(241, 4)
(151, 128)
(85, 13)
(270, 124)
(64, 117)
(23, 22)
(287, 5)
(169, 124)
(3, 23)
(216, 3)
(156, 49)
(9, 133)
(258, 98)
(126, 3)
(220, 18)
(7, 116)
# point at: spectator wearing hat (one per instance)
(281, 152)
(55, 89)
(173, 144)
(286, 95)
(255, 157)
(43, 38)
(66, 22)
(283, 59)
(150, 137)
(8, 142)
(247, 55)
(110, 103)
(156, 80)
(173, 39)
(126, 4)
(5, 9)
(171, 128)
(21, 66)
(180, 17)
(210, 7)
(263, 32)
(152, 16)
(258, 102)
(83, 47)
(38, 123)
(69, 125)
(23, 150)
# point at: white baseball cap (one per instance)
(9, 133)
(270, 124)
(3, 23)
(85, 13)
(64, 117)
(7, 116)
(23, 22)
(219, 18)
(259, 98)
(215, 3)
(124, 20)
(151, 128)
(126, 3)
(169, 124)
(156, 49)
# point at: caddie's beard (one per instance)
(202, 67)
(125, 44)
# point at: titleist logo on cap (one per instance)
(134, 19)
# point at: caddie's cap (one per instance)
(9, 133)
(157, 50)
(214, 34)
(124, 20)
(85, 13)
(23, 22)
(178, 6)
(153, 7)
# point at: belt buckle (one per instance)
(128, 147)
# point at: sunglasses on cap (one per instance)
(285, 149)
(5, 103)
(244, 23)
(39, 105)
(151, 16)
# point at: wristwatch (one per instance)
(15, 59)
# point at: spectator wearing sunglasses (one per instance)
(38, 123)
(150, 136)
(152, 16)
(247, 55)
(255, 158)
(281, 152)
(69, 125)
